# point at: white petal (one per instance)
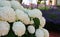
(46, 33)
(19, 28)
(5, 3)
(42, 22)
(4, 28)
(39, 33)
(7, 14)
(16, 5)
(22, 16)
(31, 29)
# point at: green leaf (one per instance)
(36, 23)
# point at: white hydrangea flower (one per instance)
(39, 33)
(38, 11)
(16, 5)
(22, 16)
(19, 28)
(31, 29)
(46, 33)
(42, 22)
(4, 28)
(35, 13)
(25, 10)
(7, 14)
(5, 3)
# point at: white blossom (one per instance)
(31, 29)
(4, 28)
(42, 22)
(7, 14)
(16, 5)
(5, 3)
(35, 13)
(22, 16)
(46, 33)
(39, 33)
(19, 28)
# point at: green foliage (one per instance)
(36, 23)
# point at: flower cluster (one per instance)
(25, 22)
